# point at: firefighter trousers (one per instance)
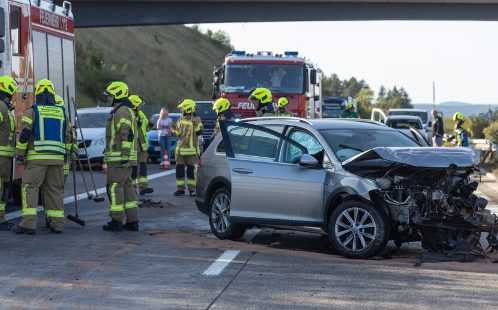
(5, 176)
(122, 195)
(139, 176)
(188, 162)
(50, 179)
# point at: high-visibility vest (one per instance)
(49, 129)
(7, 140)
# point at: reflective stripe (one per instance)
(142, 180)
(55, 213)
(123, 121)
(24, 199)
(36, 156)
(27, 120)
(145, 146)
(21, 146)
(187, 152)
(180, 182)
(114, 206)
(2, 207)
(131, 205)
(191, 182)
(126, 144)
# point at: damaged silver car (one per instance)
(361, 183)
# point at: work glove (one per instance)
(20, 159)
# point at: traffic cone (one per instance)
(165, 164)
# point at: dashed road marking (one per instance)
(100, 191)
(221, 263)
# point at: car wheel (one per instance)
(219, 216)
(358, 229)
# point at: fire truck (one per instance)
(37, 42)
(285, 74)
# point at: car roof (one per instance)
(409, 117)
(95, 110)
(323, 123)
(407, 110)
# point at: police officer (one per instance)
(461, 135)
(8, 87)
(349, 111)
(263, 101)
(139, 173)
(120, 156)
(42, 145)
(282, 107)
(188, 129)
(222, 108)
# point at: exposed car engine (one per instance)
(432, 203)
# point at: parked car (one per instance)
(407, 124)
(154, 149)
(92, 122)
(358, 181)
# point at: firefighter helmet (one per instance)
(135, 100)
(44, 85)
(8, 85)
(187, 106)
(458, 116)
(117, 90)
(283, 102)
(262, 95)
(59, 100)
(221, 105)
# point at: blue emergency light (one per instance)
(291, 53)
(238, 53)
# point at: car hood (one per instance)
(425, 157)
(91, 133)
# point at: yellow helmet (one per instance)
(262, 95)
(135, 100)
(44, 85)
(283, 102)
(117, 90)
(8, 85)
(458, 117)
(59, 100)
(187, 106)
(221, 105)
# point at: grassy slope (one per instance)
(161, 63)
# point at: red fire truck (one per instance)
(37, 42)
(284, 74)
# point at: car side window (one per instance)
(292, 154)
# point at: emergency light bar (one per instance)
(291, 53)
(238, 53)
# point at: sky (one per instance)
(461, 57)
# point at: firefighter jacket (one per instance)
(188, 130)
(45, 134)
(121, 136)
(462, 137)
(227, 116)
(266, 111)
(142, 139)
(7, 131)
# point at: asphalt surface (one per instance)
(174, 262)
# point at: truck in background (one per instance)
(284, 74)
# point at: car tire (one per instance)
(219, 216)
(358, 229)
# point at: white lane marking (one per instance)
(221, 263)
(67, 200)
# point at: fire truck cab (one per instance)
(37, 42)
(284, 74)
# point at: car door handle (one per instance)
(242, 171)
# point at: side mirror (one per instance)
(308, 161)
(313, 77)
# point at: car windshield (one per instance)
(404, 123)
(93, 120)
(205, 111)
(347, 143)
(421, 114)
(280, 78)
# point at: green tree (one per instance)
(364, 98)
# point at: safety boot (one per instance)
(114, 226)
(147, 190)
(180, 192)
(18, 229)
(131, 226)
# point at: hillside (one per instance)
(161, 63)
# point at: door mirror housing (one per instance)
(308, 161)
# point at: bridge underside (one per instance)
(132, 13)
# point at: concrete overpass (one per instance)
(94, 13)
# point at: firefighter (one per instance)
(263, 100)
(188, 129)
(282, 107)
(461, 135)
(42, 145)
(120, 156)
(139, 173)
(349, 111)
(222, 108)
(8, 87)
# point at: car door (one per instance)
(263, 189)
